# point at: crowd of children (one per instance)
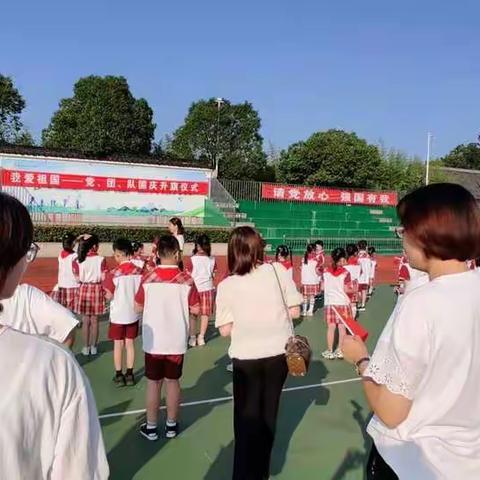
(174, 303)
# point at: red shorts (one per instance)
(207, 300)
(65, 297)
(311, 290)
(158, 367)
(331, 317)
(90, 300)
(362, 287)
(118, 331)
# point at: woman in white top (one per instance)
(50, 425)
(203, 271)
(250, 310)
(422, 379)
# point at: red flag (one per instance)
(354, 327)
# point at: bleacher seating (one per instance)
(298, 223)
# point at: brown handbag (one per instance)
(297, 350)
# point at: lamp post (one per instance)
(219, 101)
(429, 148)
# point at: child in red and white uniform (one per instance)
(166, 296)
(283, 256)
(66, 290)
(310, 276)
(373, 269)
(138, 258)
(203, 271)
(354, 268)
(410, 278)
(320, 257)
(175, 227)
(90, 269)
(338, 286)
(364, 280)
(121, 285)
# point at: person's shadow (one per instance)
(140, 450)
(355, 458)
(293, 406)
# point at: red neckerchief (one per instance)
(286, 263)
(352, 261)
(337, 272)
(312, 256)
(92, 253)
(65, 253)
(126, 268)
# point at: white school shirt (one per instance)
(166, 295)
(335, 283)
(429, 352)
(138, 262)
(309, 273)
(50, 428)
(373, 268)
(66, 277)
(124, 282)
(202, 272)
(32, 311)
(365, 266)
(253, 304)
(91, 269)
(287, 265)
(181, 241)
(354, 269)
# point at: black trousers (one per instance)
(257, 386)
(377, 468)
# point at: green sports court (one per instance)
(321, 424)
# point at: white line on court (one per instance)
(229, 398)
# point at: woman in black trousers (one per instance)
(251, 310)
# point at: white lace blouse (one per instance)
(429, 352)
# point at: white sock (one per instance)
(171, 423)
(304, 307)
(312, 305)
(151, 425)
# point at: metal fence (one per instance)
(22, 194)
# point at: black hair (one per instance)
(178, 223)
(351, 250)
(167, 246)
(308, 251)
(319, 242)
(203, 241)
(16, 234)
(371, 250)
(283, 251)
(85, 244)
(362, 245)
(136, 246)
(337, 255)
(123, 245)
(68, 241)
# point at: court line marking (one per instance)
(230, 398)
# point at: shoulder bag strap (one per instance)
(287, 310)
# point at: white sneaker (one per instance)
(93, 350)
(230, 367)
(338, 354)
(86, 351)
(310, 313)
(328, 354)
(200, 340)
(192, 341)
(362, 309)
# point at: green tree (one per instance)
(102, 118)
(229, 134)
(464, 156)
(331, 158)
(11, 107)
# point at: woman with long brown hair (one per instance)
(251, 310)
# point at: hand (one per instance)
(353, 349)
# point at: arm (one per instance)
(224, 317)
(70, 340)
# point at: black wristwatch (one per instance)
(359, 364)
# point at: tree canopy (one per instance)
(230, 133)
(11, 107)
(464, 156)
(102, 118)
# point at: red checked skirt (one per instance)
(311, 290)
(90, 299)
(65, 297)
(331, 317)
(207, 299)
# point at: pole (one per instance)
(427, 169)
(219, 102)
